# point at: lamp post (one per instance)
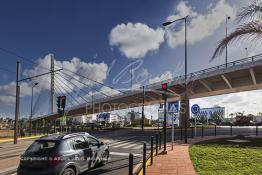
(246, 52)
(227, 18)
(186, 97)
(31, 114)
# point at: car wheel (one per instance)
(105, 157)
(68, 171)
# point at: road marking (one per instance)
(124, 154)
(138, 147)
(123, 144)
(131, 145)
(115, 143)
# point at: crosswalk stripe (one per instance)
(124, 154)
(116, 143)
(123, 144)
(138, 147)
(131, 145)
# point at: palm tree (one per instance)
(251, 27)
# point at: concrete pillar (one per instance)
(183, 110)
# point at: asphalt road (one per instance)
(121, 143)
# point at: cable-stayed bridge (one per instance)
(236, 76)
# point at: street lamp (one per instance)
(246, 52)
(185, 98)
(31, 114)
(227, 18)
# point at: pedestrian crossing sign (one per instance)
(173, 107)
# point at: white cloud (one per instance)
(7, 100)
(136, 40)
(200, 25)
(248, 101)
(165, 76)
(66, 81)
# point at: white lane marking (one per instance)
(124, 154)
(131, 145)
(138, 147)
(123, 144)
(116, 143)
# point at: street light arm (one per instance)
(170, 22)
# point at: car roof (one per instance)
(59, 136)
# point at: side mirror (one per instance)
(101, 143)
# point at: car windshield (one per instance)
(42, 147)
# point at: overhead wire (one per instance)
(69, 93)
(71, 87)
(83, 83)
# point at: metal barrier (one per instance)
(181, 134)
(152, 150)
(160, 140)
(156, 144)
(131, 164)
(215, 130)
(144, 159)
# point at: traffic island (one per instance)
(236, 155)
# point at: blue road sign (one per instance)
(195, 109)
(173, 107)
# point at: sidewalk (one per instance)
(177, 161)
(174, 162)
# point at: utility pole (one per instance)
(131, 74)
(31, 113)
(52, 84)
(17, 101)
(143, 105)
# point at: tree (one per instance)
(251, 27)
(231, 115)
(217, 116)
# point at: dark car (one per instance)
(67, 154)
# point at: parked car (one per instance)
(63, 154)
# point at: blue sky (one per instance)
(88, 36)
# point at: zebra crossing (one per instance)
(126, 144)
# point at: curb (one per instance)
(23, 138)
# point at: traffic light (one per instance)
(58, 102)
(164, 86)
(63, 102)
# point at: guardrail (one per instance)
(212, 69)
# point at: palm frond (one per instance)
(251, 12)
(245, 31)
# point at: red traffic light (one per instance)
(62, 97)
(164, 86)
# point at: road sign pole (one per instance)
(164, 128)
(172, 131)
(195, 109)
(195, 126)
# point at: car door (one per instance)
(81, 152)
(94, 147)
